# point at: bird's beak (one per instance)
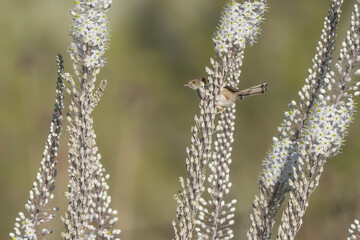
(185, 85)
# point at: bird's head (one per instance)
(195, 83)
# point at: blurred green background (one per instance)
(143, 121)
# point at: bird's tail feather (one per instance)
(255, 90)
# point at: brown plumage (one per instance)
(229, 95)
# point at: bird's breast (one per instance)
(225, 102)
(201, 93)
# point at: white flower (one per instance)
(90, 30)
(239, 25)
(326, 129)
(27, 223)
(30, 234)
(107, 234)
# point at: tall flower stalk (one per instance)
(312, 131)
(199, 154)
(327, 127)
(88, 214)
(276, 168)
(239, 25)
(241, 21)
(28, 224)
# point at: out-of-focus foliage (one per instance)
(143, 121)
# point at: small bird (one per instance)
(229, 95)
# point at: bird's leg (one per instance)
(220, 109)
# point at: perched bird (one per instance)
(229, 95)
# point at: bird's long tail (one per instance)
(255, 90)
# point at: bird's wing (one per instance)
(226, 94)
(231, 89)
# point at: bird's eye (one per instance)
(193, 81)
